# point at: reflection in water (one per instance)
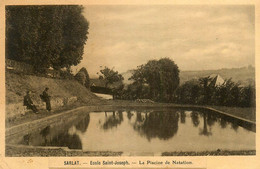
(62, 137)
(83, 124)
(163, 125)
(44, 133)
(195, 118)
(139, 119)
(211, 119)
(145, 131)
(205, 131)
(113, 120)
(67, 140)
(223, 123)
(129, 115)
(183, 116)
(234, 126)
(26, 139)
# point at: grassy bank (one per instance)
(18, 84)
(30, 116)
(248, 113)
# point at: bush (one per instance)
(204, 92)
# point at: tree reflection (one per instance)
(62, 137)
(211, 119)
(83, 124)
(183, 116)
(223, 123)
(26, 139)
(73, 141)
(61, 140)
(44, 133)
(205, 131)
(234, 125)
(195, 118)
(139, 117)
(113, 121)
(67, 140)
(163, 125)
(129, 115)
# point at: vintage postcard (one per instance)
(129, 84)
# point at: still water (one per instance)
(145, 131)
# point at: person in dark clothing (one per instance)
(46, 98)
(29, 103)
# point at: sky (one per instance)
(194, 37)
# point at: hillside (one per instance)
(244, 75)
(18, 84)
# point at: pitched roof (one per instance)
(217, 80)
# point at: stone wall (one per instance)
(18, 109)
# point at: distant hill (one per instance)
(243, 75)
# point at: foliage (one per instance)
(80, 77)
(66, 74)
(83, 77)
(110, 76)
(203, 91)
(46, 36)
(248, 96)
(189, 92)
(157, 79)
(207, 89)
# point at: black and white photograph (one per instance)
(130, 80)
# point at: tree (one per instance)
(248, 94)
(83, 77)
(228, 94)
(189, 92)
(46, 36)
(80, 77)
(161, 77)
(207, 89)
(110, 76)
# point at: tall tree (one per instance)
(110, 76)
(207, 89)
(46, 36)
(161, 76)
(83, 77)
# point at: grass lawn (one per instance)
(248, 113)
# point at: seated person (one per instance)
(29, 103)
